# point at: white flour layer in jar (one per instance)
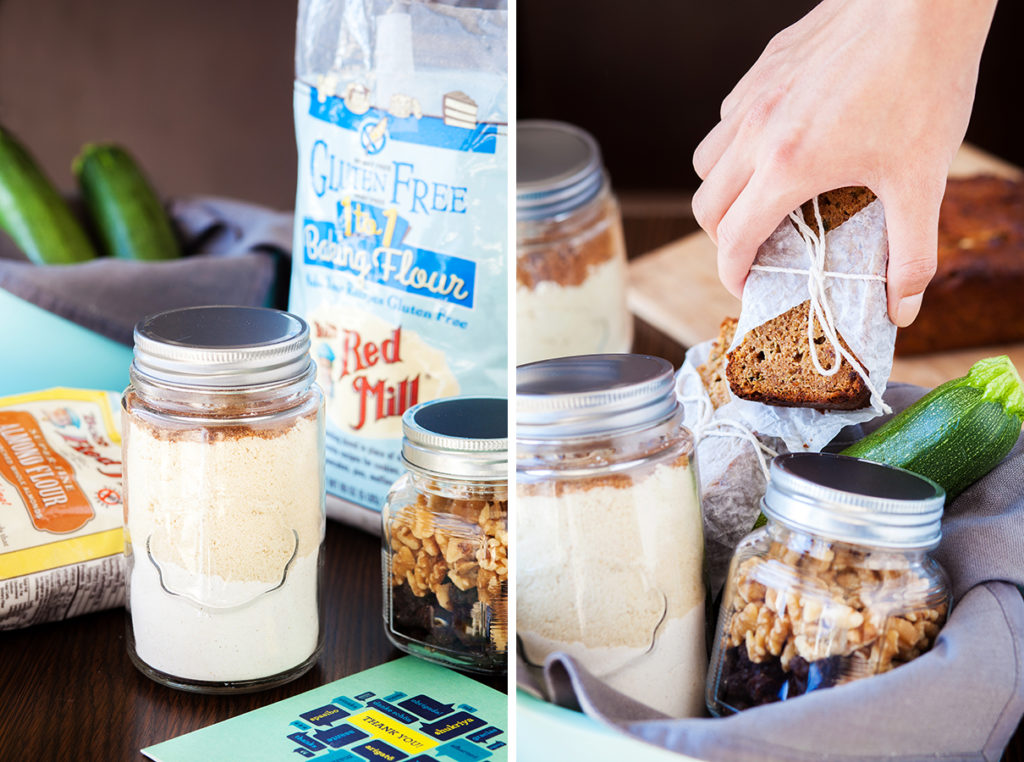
(278, 630)
(669, 677)
(553, 320)
(611, 572)
(222, 517)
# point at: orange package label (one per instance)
(54, 499)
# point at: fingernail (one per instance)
(907, 309)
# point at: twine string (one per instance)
(707, 426)
(820, 308)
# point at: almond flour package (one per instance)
(61, 518)
(399, 258)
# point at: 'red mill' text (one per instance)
(378, 398)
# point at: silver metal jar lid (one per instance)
(222, 347)
(558, 168)
(855, 501)
(464, 437)
(592, 394)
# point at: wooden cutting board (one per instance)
(676, 289)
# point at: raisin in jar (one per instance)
(837, 586)
(445, 535)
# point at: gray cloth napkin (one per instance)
(960, 701)
(234, 253)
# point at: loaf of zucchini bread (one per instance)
(977, 294)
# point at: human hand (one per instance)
(858, 92)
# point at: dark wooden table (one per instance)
(69, 692)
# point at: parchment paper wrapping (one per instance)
(859, 245)
(731, 478)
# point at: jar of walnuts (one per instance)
(837, 586)
(445, 535)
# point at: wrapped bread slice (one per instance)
(735, 437)
(772, 365)
(712, 371)
(836, 272)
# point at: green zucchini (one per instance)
(34, 214)
(130, 219)
(956, 433)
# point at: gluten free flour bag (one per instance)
(399, 258)
(61, 516)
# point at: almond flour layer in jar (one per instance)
(224, 499)
(609, 535)
(570, 253)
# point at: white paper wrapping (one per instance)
(731, 477)
(859, 245)
(729, 468)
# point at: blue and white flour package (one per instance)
(400, 262)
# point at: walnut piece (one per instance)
(822, 602)
(438, 543)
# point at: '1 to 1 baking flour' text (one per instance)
(399, 257)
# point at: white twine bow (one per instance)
(821, 310)
(706, 426)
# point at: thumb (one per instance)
(912, 223)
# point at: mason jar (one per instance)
(445, 535)
(570, 253)
(224, 499)
(609, 541)
(837, 586)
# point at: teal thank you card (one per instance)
(406, 710)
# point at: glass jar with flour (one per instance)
(224, 499)
(570, 250)
(609, 536)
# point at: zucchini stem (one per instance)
(1000, 382)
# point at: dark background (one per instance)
(201, 90)
(646, 77)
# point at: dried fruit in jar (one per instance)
(448, 572)
(824, 615)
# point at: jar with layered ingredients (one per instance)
(837, 586)
(445, 535)
(570, 253)
(609, 535)
(224, 499)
